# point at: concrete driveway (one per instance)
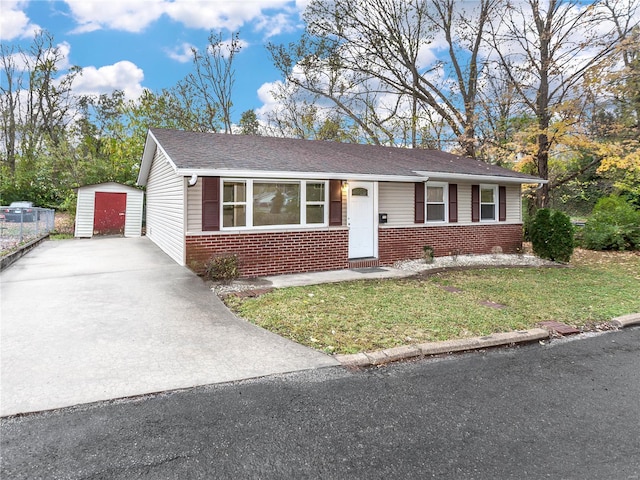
(90, 320)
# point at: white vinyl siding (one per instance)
(194, 208)
(165, 208)
(133, 219)
(85, 208)
(84, 213)
(464, 203)
(514, 204)
(397, 201)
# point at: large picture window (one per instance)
(273, 203)
(436, 202)
(488, 200)
(276, 203)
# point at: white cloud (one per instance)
(127, 15)
(219, 14)
(124, 76)
(276, 24)
(14, 23)
(269, 102)
(301, 5)
(181, 53)
(135, 16)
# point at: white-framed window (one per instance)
(316, 203)
(436, 199)
(234, 203)
(266, 203)
(488, 203)
(275, 203)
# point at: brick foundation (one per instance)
(396, 244)
(273, 253)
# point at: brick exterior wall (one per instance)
(273, 253)
(396, 244)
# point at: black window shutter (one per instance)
(502, 204)
(475, 203)
(210, 204)
(419, 201)
(453, 202)
(335, 202)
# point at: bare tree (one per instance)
(214, 77)
(545, 49)
(358, 50)
(37, 102)
(10, 105)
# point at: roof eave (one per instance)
(420, 176)
(233, 173)
(481, 178)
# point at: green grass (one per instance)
(367, 315)
(60, 236)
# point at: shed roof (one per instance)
(110, 186)
(213, 154)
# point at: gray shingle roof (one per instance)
(193, 151)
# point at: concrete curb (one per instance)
(366, 359)
(9, 259)
(626, 320)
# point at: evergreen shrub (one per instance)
(613, 225)
(551, 235)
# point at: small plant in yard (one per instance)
(428, 253)
(222, 267)
(552, 235)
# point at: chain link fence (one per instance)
(22, 225)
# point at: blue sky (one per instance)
(136, 44)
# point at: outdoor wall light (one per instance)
(345, 185)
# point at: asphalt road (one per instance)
(567, 410)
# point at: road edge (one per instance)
(405, 352)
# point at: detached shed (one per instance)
(109, 209)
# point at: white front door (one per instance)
(361, 219)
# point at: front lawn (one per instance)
(373, 314)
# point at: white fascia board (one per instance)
(230, 173)
(147, 157)
(150, 146)
(480, 178)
